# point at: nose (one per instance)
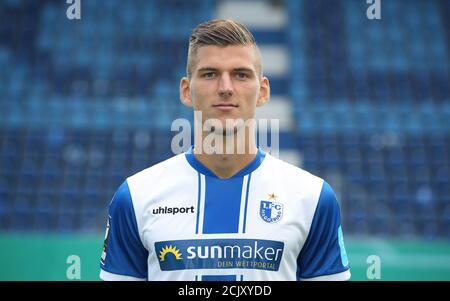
(225, 86)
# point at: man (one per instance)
(235, 214)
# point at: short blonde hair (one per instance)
(220, 32)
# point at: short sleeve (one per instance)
(323, 256)
(124, 257)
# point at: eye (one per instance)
(241, 75)
(209, 75)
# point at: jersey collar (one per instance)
(197, 165)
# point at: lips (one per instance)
(225, 106)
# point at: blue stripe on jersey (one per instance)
(222, 205)
(125, 253)
(198, 202)
(323, 251)
(222, 196)
(246, 202)
(218, 277)
(222, 201)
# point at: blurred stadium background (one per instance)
(363, 103)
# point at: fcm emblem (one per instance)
(270, 211)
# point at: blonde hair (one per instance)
(219, 32)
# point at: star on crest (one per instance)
(272, 196)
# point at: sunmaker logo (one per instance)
(172, 250)
(219, 254)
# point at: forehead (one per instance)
(226, 57)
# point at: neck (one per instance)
(228, 156)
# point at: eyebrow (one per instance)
(243, 69)
(205, 69)
(240, 69)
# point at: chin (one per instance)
(231, 130)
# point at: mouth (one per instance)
(225, 106)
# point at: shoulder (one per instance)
(163, 178)
(167, 168)
(293, 175)
(137, 190)
(121, 198)
(312, 192)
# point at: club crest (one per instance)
(271, 212)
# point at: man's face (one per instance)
(225, 83)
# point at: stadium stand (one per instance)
(83, 104)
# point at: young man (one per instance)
(230, 215)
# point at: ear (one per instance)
(185, 92)
(264, 92)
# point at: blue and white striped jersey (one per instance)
(178, 221)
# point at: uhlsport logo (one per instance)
(271, 211)
(219, 254)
